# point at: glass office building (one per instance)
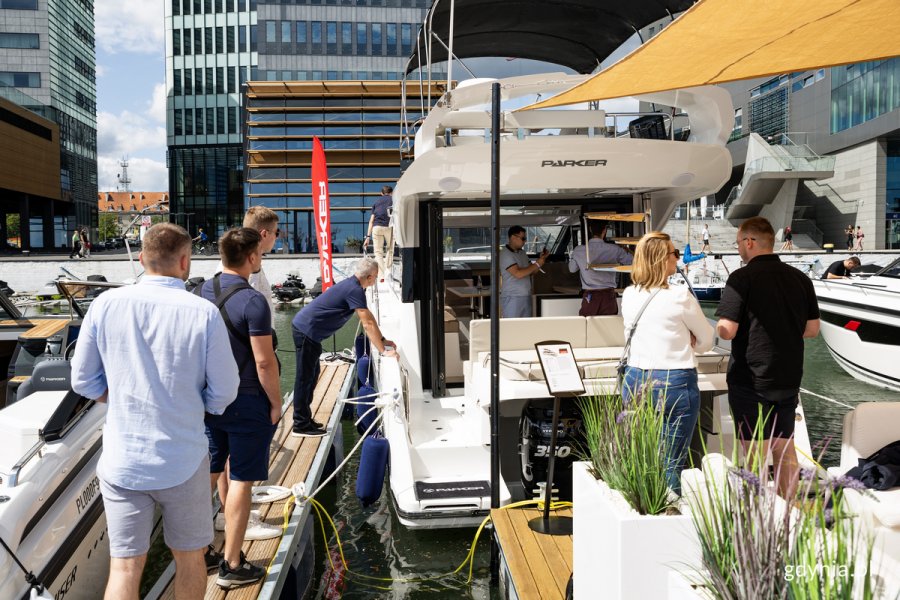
(359, 125)
(47, 65)
(213, 47)
(863, 91)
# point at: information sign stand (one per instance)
(563, 381)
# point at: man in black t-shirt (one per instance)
(380, 231)
(767, 309)
(840, 269)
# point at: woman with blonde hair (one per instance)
(668, 329)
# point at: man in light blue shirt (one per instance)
(598, 287)
(160, 357)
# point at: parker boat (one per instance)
(558, 167)
(861, 324)
(51, 514)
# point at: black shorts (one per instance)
(777, 409)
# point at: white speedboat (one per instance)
(556, 167)
(861, 324)
(51, 513)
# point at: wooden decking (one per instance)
(539, 565)
(290, 461)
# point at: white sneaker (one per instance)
(259, 530)
(220, 519)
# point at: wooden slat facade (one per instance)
(290, 461)
(539, 564)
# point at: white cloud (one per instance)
(146, 174)
(157, 109)
(130, 25)
(101, 70)
(128, 133)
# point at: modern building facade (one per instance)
(359, 124)
(214, 46)
(47, 66)
(851, 113)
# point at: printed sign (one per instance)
(560, 370)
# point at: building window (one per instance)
(208, 31)
(317, 37)
(253, 38)
(737, 130)
(178, 122)
(391, 33)
(218, 6)
(176, 43)
(198, 123)
(229, 39)
(301, 32)
(242, 38)
(210, 122)
(27, 41)
(361, 38)
(286, 32)
(198, 41)
(220, 120)
(331, 37)
(187, 41)
(176, 82)
(207, 7)
(189, 121)
(209, 80)
(187, 7)
(376, 39)
(346, 38)
(220, 46)
(19, 4)
(405, 39)
(20, 80)
(232, 81)
(270, 31)
(863, 91)
(220, 80)
(198, 7)
(188, 82)
(232, 120)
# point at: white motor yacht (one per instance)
(557, 166)
(51, 513)
(861, 324)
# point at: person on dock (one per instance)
(516, 270)
(85, 243)
(76, 244)
(767, 309)
(242, 434)
(840, 269)
(380, 233)
(667, 334)
(598, 288)
(850, 236)
(705, 237)
(159, 357)
(859, 238)
(319, 320)
(788, 240)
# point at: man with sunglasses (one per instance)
(516, 270)
(767, 309)
(598, 295)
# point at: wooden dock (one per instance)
(291, 461)
(535, 566)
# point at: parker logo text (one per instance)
(587, 162)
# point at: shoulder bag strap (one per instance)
(626, 351)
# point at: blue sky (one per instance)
(131, 98)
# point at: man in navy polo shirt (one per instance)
(319, 320)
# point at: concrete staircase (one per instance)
(722, 235)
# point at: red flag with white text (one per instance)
(322, 210)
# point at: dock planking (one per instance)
(290, 461)
(539, 565)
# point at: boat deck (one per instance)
(536, 566)
(291, 460)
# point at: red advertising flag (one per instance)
(322, 210)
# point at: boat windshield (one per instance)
(81, 293)
(467, 231)
(892, 270)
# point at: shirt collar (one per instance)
(162, 281)
(765, 258)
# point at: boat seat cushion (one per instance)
(605, 331)
(523, 334)
(868, 428)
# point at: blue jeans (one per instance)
(678, 390)
(307, 374)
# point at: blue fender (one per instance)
(372, 466)
(365, 390)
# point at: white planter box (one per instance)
(623, 553)
(681, 588)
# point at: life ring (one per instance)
(263, 494)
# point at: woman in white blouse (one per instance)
(670, 331)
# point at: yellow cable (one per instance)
(469, 559)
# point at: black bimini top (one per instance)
(574, 33)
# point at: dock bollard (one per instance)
(829, 248)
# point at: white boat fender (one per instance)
(263, 494)
(40, 592)
(372, 466)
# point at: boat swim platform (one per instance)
(291, 460)
(534, 566)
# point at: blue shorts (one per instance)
(186, 512)
(242, 434)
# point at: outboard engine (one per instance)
(536, 426)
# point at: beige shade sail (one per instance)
(717, 41)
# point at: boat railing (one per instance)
(12, 478)
(458, 126)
